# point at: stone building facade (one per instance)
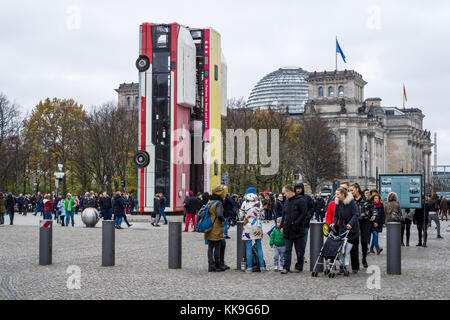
(371, 137)
(128, 95)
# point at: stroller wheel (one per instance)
(327, 272)
(315, 274)
(346, 273)
(330, 275)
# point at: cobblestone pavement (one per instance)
(141, 270)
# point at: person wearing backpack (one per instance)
(214, 236)
(229, 206)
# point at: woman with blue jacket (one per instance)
(61, 207)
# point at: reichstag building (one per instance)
(372, 137)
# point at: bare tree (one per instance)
(9, 141)
(318, 154)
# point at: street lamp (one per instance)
(59, 176)
(366, 158)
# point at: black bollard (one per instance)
(394, 251)
(315, 244)
(45, 242)
(174, 245)
(108, 243)
(240, 245)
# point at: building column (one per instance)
(429, 168)
(372, 156)
(364, 144)
(343, 143)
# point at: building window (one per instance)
(334, 139)
(320, 91)
(137, 101)
(216, 72)
(128, 101)
(330, 91)
(341, 91)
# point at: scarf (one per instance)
(377, 204)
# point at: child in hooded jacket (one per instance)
(277, 241)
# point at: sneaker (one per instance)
(263, 269)
(355, 271)
(130, 225)
(403, 244)
(227, 237)
(284, 271)
(157, 225)
(249, 270)
(275, 269)
(371, 251)
(379, 251)
(439, 237)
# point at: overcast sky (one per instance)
(85, 49)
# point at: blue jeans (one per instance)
(225, 227)
(118, 220)
(375, 239)
(267, 214)
(38, 209)
(320, 216)
(107, 214)
(69, 216)
(248, 247)
(299, 249)
(11, 216)
(163, 215)
(48, 215)
(125, 219)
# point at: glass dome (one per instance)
(285, 87)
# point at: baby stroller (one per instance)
(333, 253)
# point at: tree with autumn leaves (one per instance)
(95, 147)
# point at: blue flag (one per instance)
(339, 50)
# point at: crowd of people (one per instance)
(362, 213)
(63, 208)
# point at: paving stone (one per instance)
(141, 270)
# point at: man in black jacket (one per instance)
(10, 202)
(106, 206)
(300, 190)
(293, 228)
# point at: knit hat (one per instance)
(251, 190)
(191, 193)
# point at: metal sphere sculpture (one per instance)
(90, 217)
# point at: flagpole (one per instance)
(403, 96)
(335, 52)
